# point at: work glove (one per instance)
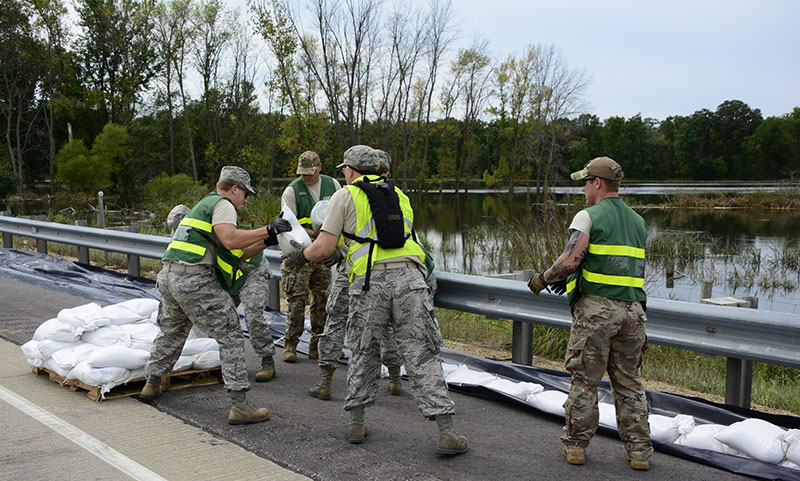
(333, 259)
(558, 287)
(279, 226)
(537, 283)
(295, 260)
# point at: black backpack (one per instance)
(388, 217)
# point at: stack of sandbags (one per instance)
(109, 346)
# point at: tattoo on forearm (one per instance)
(568, 261)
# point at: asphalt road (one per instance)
(307, 435)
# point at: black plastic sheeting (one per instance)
(110, 287)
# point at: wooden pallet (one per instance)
(171, 382)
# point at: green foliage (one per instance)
(73, 166)
(9, 182)
(88, 171)
(165, 192)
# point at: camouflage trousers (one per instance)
(331, 340)
(607, 334)
(314, 278)
(196, 297)
(398, 299)
(254, 296)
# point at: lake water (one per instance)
(444, 218)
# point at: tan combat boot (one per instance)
(395, 387)
(289, 353)
(242, 412)
(449, 443)
(638, 464)
(574, 454)
(152, 389)
(313, 352)
(322, 389)
(356, 430)
(267, 371)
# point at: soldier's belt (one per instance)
(393, 265)
(178, 267)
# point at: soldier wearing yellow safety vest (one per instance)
(602, 271)
(387, 290)
(200, 273)
(300, 197)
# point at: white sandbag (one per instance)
(756, 438)
(118, 356)
(193, 334)
(153, 318)
(107, 336)
(141, 345)
(119, 315)
(514, 389)
(199, 345)
(207, 360)
(608, 415)
(665, 429)
(86, 317)
(702, 437)
(31, 351)
(70, 357)
(792, 439)
(143, 307)
(788, 464)
(297, 234)
(142, 331)
(465, 375)
(551, 401)
(136, 374)
(184, 363)
(318, 214)
(55, 330)
(447, 368)
(47, 347)
(94, 376)
(51, 366)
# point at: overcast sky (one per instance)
(657, 58)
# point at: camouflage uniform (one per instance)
(313, 277)
(607, 334)
(398, 299)
(254, 296)
(331, 340)
(194, 295)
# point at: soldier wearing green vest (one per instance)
(253, 296)
(387, 290)
(602, 271)
(201, 271)
(300, 197)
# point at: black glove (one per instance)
(278, 226)
(558, 287)
(333, 259)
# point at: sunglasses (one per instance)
(246, 192)
(586, 180)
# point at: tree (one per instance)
(734, 120)
(773, 151)
(89, 171)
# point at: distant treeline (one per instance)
(276, 82)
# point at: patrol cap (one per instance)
(238, 175)
(361, 158)
(384, 159)
(308, 162)
(176, 215)
(603, 167)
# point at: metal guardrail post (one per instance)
(522, 343)
(274, 301)
(8, 239)
(134, 266)
(83, 251)
(739, 376)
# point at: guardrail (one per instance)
(741, 335)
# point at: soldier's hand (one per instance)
(333, 259)
(278, 226)
(537, 283)
(294, 260)
(558, 287)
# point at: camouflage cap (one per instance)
(384, 159)
(361, 158)
(308, 162)
(238, 175)
(603, 167)
(176, 215)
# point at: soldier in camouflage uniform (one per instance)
(300, 197)
(196, 284)
(397, 298)
(331, 340)
(602, 271)
(254, 296)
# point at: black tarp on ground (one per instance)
(110, 287)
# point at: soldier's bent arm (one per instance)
(322, 247)
(233, 238)
(253, 250)
(569, 260)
